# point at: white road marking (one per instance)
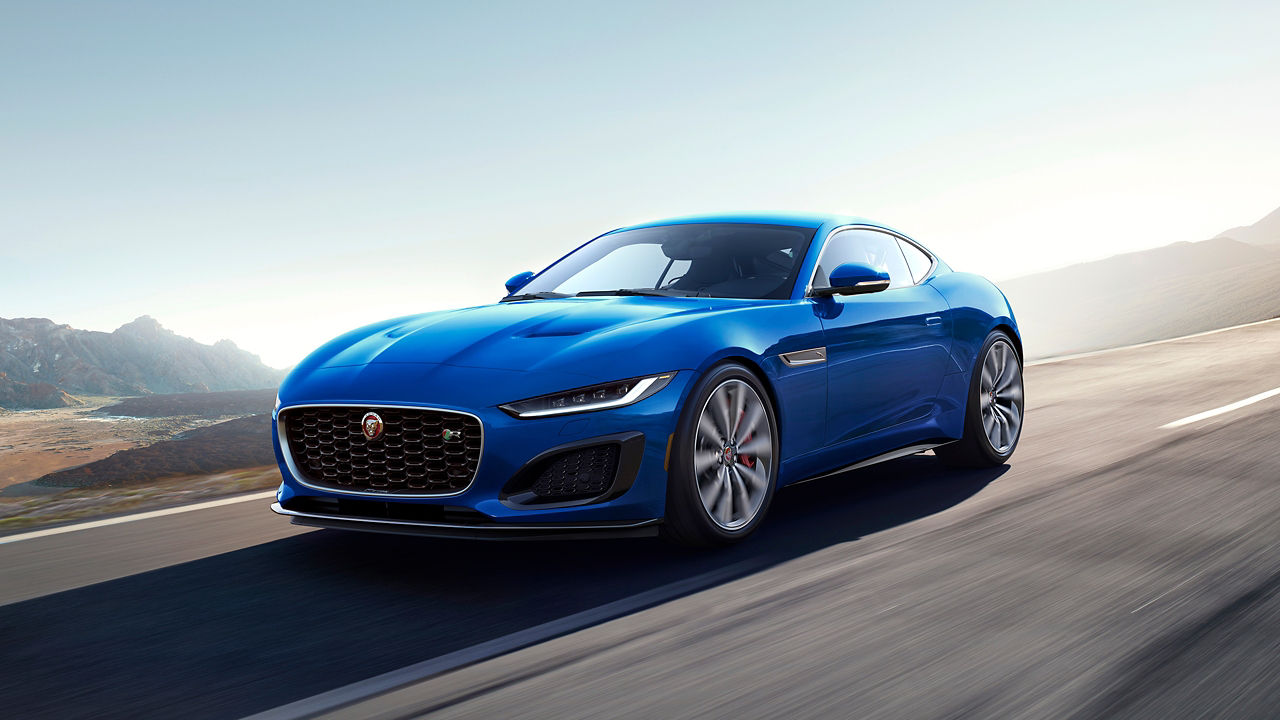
(411, 674)
(136, 516)
(1222, 410)
(1092, 353)
(1166, 592)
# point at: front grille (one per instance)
(412, 455)
(586, 472)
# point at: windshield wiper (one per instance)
(546, 295)
(644, 292)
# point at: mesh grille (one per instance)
(578, 473)
(411, 456)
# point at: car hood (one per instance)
(567, 335)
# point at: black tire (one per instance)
(974, 449)
(688, 522)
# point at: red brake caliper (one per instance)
(748, 461)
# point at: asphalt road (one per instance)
(1113, 569)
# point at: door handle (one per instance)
(933, 320)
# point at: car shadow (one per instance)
(256, 628)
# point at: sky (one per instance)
(279, 172)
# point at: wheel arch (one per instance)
(756, 369)
(1009, 330)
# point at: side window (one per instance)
(917, 260)
(868, 247)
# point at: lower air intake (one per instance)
(578, 474)
(588, 471)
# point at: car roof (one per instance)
(807, 220)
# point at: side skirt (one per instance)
(883, 457)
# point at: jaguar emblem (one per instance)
(450, 435)
(371, 425)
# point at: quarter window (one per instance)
(917, 260)
(867, 247)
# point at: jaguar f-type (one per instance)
(664, 378)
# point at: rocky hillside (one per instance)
(14, 394)
(41, 362)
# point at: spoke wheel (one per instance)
(994, 410)
(733, 454)
(724, 458)
(1000, 396)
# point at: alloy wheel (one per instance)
(1000, 396)
(733, 454)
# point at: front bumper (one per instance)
(509, 445)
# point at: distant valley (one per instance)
(144, 451)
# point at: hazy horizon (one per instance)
(1027, 276)
(277, 174)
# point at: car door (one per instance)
(886, 351)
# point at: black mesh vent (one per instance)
(578, 473)
(419, 451)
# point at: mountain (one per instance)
(1178, 289)
(41, 362)
(1264, 232)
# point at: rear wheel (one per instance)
(723, 461)
(993, 414)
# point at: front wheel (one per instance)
(993, 414)
(724, 460)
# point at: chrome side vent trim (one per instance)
(812, 356)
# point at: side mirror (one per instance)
(518, 281)
(853, 279)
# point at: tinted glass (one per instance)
(620, 268)
(867, 247)
(737, 260)
(917, 260)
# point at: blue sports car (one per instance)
(662, 378)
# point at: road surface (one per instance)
(1116, 568)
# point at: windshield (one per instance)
(731, 260)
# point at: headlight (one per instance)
(587, 399)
